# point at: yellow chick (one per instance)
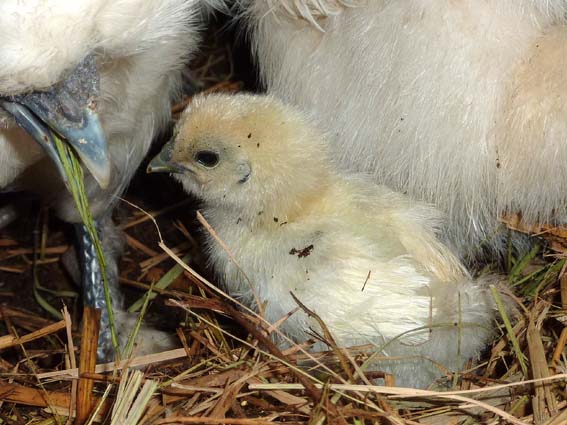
(364, 258)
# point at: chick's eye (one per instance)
(207, 158)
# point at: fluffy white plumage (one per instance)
(140, 47)
(459, 103)
(367, 260)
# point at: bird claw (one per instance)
(8, 214)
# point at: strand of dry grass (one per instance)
(12, 269)
(560, 419)
(219, 379)
(201, 420)
(394, 392)
(562, 341)
(134, 393)
(136, 244)
(299, 403)
(228, 251)
(555, 235)
(230, 393)
(28, 360)
(154, 261)
(7, 341)
(329, 339)
(190, 301)
(146, 215)
(214, 384)
(499, 347)
(14, 370)
(61, 249)
(401, 392)
(14, 313)
(7, 242)
(87, 363)
(544, 402)
(72, 363)
(111, 367)
(16, 393)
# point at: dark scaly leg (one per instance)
(92, 282)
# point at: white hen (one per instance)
(364, 258)
(139, 48)
(459, 103)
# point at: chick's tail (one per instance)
(467, 318)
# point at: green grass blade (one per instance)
(76, 187)
(510, 331)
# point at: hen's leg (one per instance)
(91, 277)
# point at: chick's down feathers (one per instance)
(365, 259)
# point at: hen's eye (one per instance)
(207, 158)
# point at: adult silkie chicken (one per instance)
(459, 103)
(101, 74)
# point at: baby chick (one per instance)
(364, 258)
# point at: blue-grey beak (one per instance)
(68, 109)
(162, 162)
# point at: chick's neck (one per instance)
(282, 209)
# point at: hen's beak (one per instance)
(68, 109)
(162, 162)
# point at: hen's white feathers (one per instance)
(462, 104)
(140, 46)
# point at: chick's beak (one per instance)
(68, 109)
(162, 162)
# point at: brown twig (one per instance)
(72, 362)
(311, 389)
(10, 340)
(544, 402)
(87, 363)
(214, 421)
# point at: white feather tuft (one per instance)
(461, 104)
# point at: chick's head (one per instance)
(249, 152)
